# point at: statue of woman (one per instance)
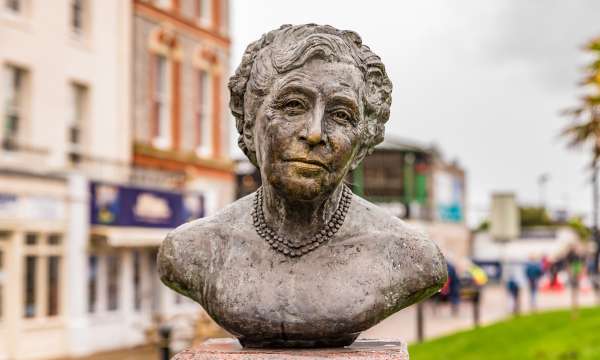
(303, 262)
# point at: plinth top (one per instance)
(230, 349)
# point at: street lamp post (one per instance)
(595, 230)
(542, 180)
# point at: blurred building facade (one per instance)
(410, 180)
(517, 234)
(414, 182)
(113, 132)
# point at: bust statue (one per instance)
(303, 262)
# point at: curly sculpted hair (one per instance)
(290, 47)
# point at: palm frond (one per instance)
(585, 128)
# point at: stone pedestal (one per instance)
(230, 349)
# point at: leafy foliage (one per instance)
(534, 216)
(579, 227)
(584, 131)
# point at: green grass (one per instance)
(544, 336)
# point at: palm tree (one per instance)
(584, 131)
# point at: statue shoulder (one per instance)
(193, 247)
(416, 261)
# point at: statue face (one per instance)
(307, 128)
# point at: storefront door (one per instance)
(4, 237)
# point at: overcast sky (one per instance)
(484, 80)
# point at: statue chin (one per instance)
(299, 189)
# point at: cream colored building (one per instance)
(63, 67)
(70, 287)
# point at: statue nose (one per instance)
(314, 137)
(314, 132)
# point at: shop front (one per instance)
(125, 298)
(33, 231)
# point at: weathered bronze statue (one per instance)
(303, 262)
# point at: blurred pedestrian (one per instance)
(514, 290)
(533, 271)
(479, 279)
(555, 268)
(453, 289)
(574, 265)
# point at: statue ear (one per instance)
(249, 136)
(360, 155)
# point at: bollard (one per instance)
(476, 307)
(164, 332)
(420, 322)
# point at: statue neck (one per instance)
(298, 220)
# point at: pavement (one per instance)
(438, 319)
(137, 353)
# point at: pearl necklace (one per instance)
(288, 247)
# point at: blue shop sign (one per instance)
(131, 206)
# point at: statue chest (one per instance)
(336, 288)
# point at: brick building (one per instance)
(181, 57)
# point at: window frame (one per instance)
(42, 251)
(102, 304)
(224, 12)
(203, 112)
(77, 119)
(15, 101)
(18, 10)
(204, 12)
(162, 101)
(113, 282)
(3, 272)
(92, 287)
(79, 33)
(163, 4)
(77, 18)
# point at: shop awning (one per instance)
(118, 236)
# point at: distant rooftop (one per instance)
(394, 142)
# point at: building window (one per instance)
(155, 286)
(137, 281)
(30, 286)
(161, 102)
(31, 239)
(204, 12)
(42, 275)
(203, 116)
(14, 102)
(165, 4)
(76, 121)
(77, 16)
(14, 6)
(224, 16)
(2, 277)
(4, 237)
(92, 283)
(54, 239)
(53, 285)
(112, 284)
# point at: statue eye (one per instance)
(342, 116)
(294, 107)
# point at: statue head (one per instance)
(310, 103)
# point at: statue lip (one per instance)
(309, 161)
